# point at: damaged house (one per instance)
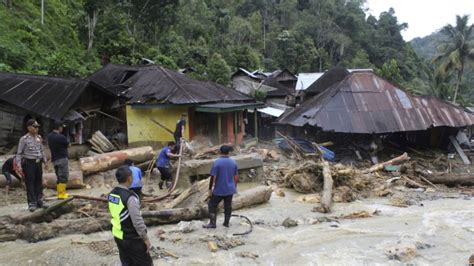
(363, 103)
(156, 93)
(48, 99)
(276, 88)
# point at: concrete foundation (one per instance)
(250, 169)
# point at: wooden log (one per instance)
(39, 214)
(75, 180)
(111, 160)
(452, 179)
(397, 160)
(246, 198)
(326, 199)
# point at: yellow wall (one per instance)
(142, 130)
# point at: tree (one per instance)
(457, 51)
(218, 70)
(391, 72)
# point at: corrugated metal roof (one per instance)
(43, 95)
(111, 76)
(306, 79)
(155, 83)
(366, 103)
(272, 111)
(330, 77)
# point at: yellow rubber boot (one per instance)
(61, 189)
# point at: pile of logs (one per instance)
(100, 143)
(191, 205)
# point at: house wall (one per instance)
(142, 131)
(229, 121)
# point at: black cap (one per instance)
(58, 124)
(32, 123)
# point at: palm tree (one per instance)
(457, 51)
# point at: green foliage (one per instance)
(391, 72)
(218, 70)
(215, 37)
(457, 51)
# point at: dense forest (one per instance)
(214, 37)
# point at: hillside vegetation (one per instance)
(213, 36)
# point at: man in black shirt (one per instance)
(179, 131)
(8, 169)
(58, 145)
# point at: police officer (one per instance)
(29, 158)
(128, 228)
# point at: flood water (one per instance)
(443, 229)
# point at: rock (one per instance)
(212, 246)
(188, 227)
(402, 252)
(311, 198)
(383, 193)
(288, 222)
(471, 259)
(343, 194)
(246, 254)
(274, 155)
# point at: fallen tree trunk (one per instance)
(247, 198)
(111, 160)
(75, 180)
(39, 214)
(452, 179)
(326, 199)
(397, 160)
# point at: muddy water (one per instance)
(442, 228)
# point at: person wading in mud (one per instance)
(164, 166)
(58, 144)
(128, 228)
(222, 186)
(29, 158)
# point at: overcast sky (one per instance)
(423, 16)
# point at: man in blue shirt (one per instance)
(136, 185)
(163, 164)
(222, 186)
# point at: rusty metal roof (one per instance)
(152, 83)
(366, 103)
(43, 95)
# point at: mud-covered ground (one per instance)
(436, 229)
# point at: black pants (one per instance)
(215, 200)
(177, 140)
(133, 252)
(165, 173)
(9, 175)
(34, 181)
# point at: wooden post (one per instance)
(235, 128)
(219, 128)
(256, 123)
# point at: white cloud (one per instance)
(423, 16)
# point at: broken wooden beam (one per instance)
(459, 150)
(397, 160)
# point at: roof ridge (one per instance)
(175, 83)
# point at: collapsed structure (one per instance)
(361, 102)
